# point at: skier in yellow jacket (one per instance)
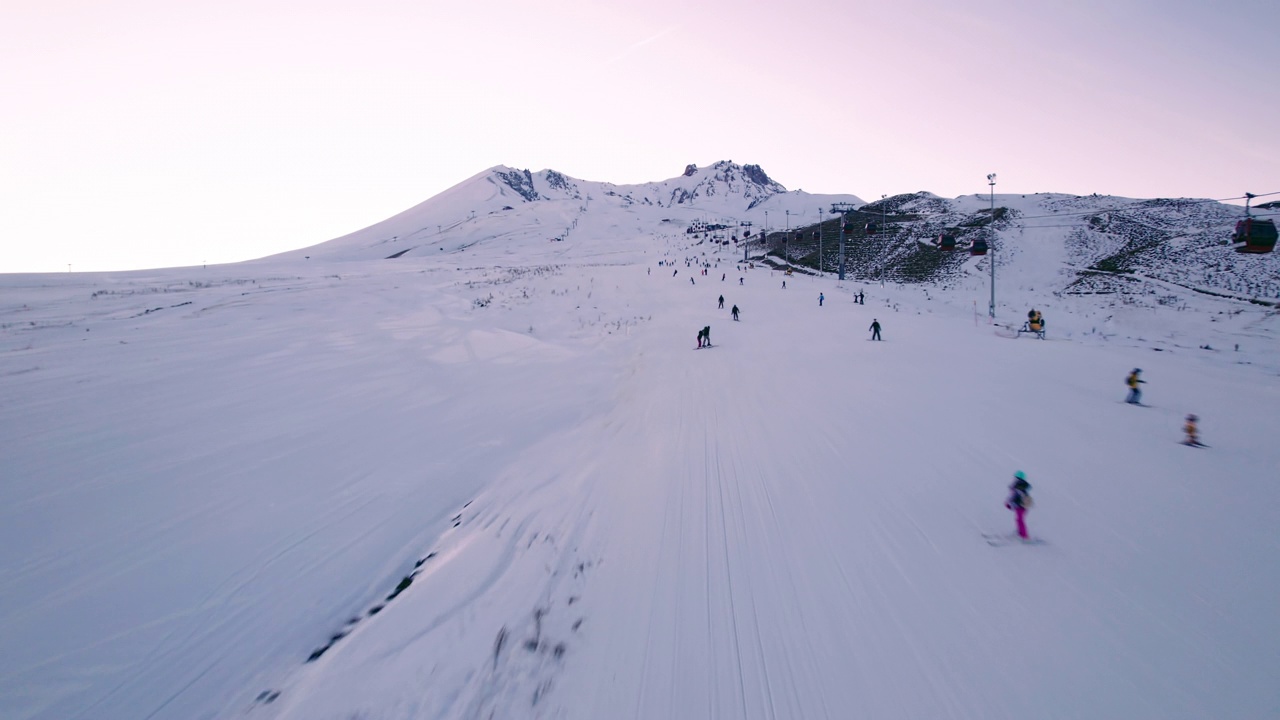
(1192, 431)
(1135, 395)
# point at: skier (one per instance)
(784, 284)
(734, 311)
(721, 302)
(1019, 500)
(706, 334)
(722, 276)
(691, 282)
(821, 297)
(1135, 395)
(739, 281)
(1193, 433)
(862, 298)
(875, 329)
(700, 344)
(675, 272)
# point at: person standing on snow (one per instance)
(734, 311)
(821, 297)
(875, 329)
(1019, 501)
(1193, 433)
(1135, 395)
(721, 302)
(706, 334)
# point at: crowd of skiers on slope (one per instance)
(703, 267)
(1019, 499)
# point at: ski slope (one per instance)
(212, 473)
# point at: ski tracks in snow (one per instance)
(721, 605)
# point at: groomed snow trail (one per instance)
(514, 490)
(789, 525)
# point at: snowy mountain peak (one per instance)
(506, 204)
(723, 179)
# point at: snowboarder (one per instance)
(706, 335)
(875, 329)
(691, 282)
(739, 281)
(721, 302)
(1019, 500)
(700, 341)
(821, 297)
(784, 284)
(1135, 395)
(723, 276)
(862, 298)
(1193, 433)
(675, 272)
(734, 311)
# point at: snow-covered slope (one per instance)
(499, 482)
(521, 212)
(1068, 244)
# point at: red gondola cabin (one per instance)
(1258, 236)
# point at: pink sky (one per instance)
(145, 134)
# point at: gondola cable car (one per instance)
(1256, 236)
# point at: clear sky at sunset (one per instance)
(147, 133)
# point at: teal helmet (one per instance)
(1020, 475)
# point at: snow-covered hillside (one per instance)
(493, 478)
(526, 213)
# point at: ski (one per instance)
(1001, 539)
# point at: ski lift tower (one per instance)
(843, 209)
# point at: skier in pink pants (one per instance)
(1020, 500)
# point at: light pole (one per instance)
(991, 310)
(882, 206)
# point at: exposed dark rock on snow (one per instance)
(521, 182)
